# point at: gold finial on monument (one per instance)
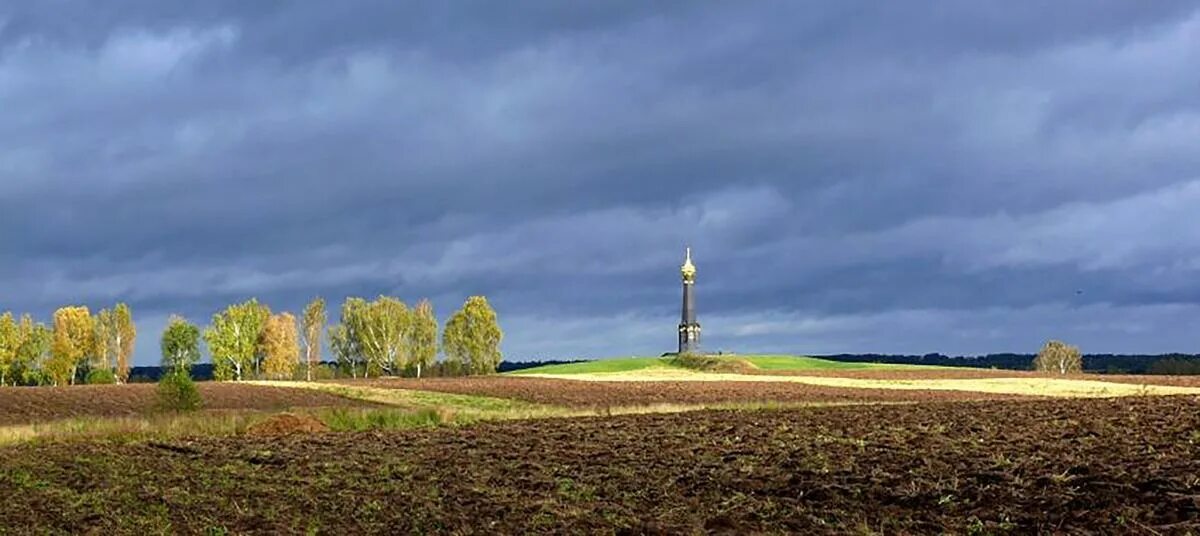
(688, 269)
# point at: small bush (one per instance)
(319, 372)
(101, 376)
(35, 377)
(177, 392)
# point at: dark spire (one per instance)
(689, 328)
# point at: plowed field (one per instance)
(611, 394)
(1128, 465)
(24, 405)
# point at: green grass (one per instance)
(764, 362)
(414, 399)
(358, 420)
(617, 364)
(149, 426)
(453, 407)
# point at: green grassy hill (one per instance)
(796, 362)
(615, 364)
(764, 362)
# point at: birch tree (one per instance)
(381, 329)
(471, 339)
(344, 338)
(423, 336)
(315, 319)
(233, 339)
(74, 334)
(114, 340)
(34, 350)
(180, 345)
(280, 347)
(1059, 357)
(102, 351)
(343, 349)
(123, 338)
(10, 342)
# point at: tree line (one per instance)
(77, 346)
(1176, 363)
(380, 337)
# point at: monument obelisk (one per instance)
(689, 328)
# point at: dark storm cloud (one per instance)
(854, 176)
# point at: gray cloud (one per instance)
(854, 177)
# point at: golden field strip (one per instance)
(1026, 386)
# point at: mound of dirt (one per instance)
(287, 423)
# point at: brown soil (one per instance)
(24, 405)
(611, 394)
(287, 423)
(1112, 466)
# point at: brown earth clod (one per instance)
(287, 424)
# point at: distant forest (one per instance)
(1099, 363)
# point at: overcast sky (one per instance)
(898, 177)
